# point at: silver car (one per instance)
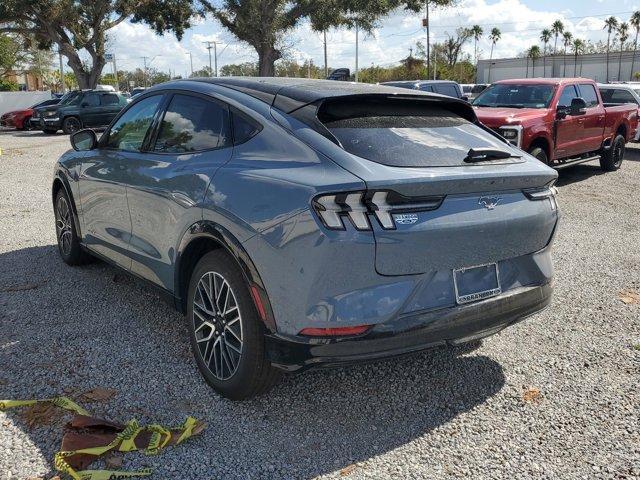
(306, 223)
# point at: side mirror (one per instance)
(562, 112)
(83, 140)
(465, 98)
(578, 106)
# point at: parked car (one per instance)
(471, 90)
(619, 94)
(21, 119)
(86, 108)
(137, 91)
(561, 122)
(443, 87)
(340, 74)
(298, 224)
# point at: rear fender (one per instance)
(61, 181)
(225, 240)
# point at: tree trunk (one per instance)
(87, 79)
(633, 59)
(267, 56)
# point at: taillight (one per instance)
(548, 192)
(333, 209)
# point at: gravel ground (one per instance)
(440, 414)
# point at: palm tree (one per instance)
(578, 47)
(623, 33)
(494, 36)
(556, 28)
(545, 36)
(476, 32)
(635, 23)
(610, 24)
(566, 40)
(533, 53)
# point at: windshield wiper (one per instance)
(475, 155)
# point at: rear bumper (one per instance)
(411, 333)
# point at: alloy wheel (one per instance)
(73, 125)
(217, 325)
(63, 225)
(618, 154)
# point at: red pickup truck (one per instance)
(560, 121)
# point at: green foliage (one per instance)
(7, 86)
(247, 69)
(10, 53)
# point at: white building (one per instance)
(589, 66)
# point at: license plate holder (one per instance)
(476, 283)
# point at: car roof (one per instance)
(288, 94)
(542, 81)
(625, 86)
(421, 82)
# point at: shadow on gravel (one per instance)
(72, 329)
(578, 173)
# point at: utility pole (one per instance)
(326, 67)
(191, 59)
(115, 72)
(356, 77)
(61, 72)
(215, 56)
(425, 23)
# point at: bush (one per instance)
(7, 86)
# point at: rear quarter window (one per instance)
(446, 89)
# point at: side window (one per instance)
(447, 89)
(129, 131)
(110, 99)
(622, 96)
(588, 92)
(91, 100)
(193, 124)
(244, 127)
(426, 88)
(568, 94)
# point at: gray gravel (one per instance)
(440, 414)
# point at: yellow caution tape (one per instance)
(124, 441)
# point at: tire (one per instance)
(229, 348)
(50, 131)
(71, 125)
(66, 234)
(611, 160)
(540, 154)
(25, 124)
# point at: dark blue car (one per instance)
(301, 223)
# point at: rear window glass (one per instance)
(446, 89)
(430, 139)
(617, 95)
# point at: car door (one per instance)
(110, 105)
(593, 121)
(167, 183)
(104, 174)
(90, 112)
(569, 127)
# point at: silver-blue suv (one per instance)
(300, 223)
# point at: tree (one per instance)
(476, 33)
(557, 28)
(263, 23)
(11, 54)
(578, 47)
(635, 23)
(427, 4)
(567, 37)
(533, 53)
(545, 37)
(247, 69)
(81, 25)
(494, 36)
(452, 46)
(623, 34)
(610, 24)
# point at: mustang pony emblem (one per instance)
(489, 202)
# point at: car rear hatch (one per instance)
(442, 191)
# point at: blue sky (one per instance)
(520, 21)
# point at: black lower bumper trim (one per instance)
(411, 333)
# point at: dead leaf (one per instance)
(43, 413)
(99, 394)
(532, 395)
(348, 470)
(113, 461)
(20, 288)
(630, 297)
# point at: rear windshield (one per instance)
(515, 96)
(433, 138)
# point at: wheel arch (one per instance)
(203, 237)
(61, 182)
